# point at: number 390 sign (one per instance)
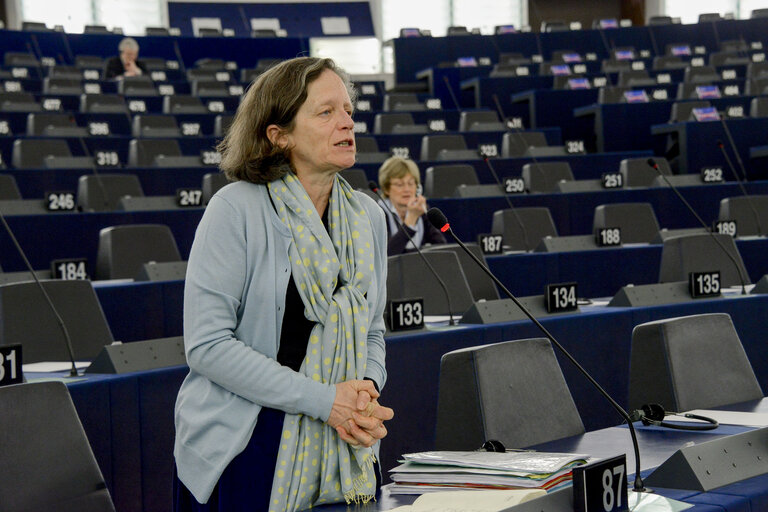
(601, 486)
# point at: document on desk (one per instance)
(470, 501)
(746, 419)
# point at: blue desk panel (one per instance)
(128, 418)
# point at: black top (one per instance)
(114, 68)
(399, 240)
(294, 334)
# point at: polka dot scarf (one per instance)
(314, 466)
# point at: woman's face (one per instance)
(402, 190)
(323, 139)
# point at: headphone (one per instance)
(653, 414)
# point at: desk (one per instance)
(128, 418)
(698, 144)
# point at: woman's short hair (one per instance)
(394, 168)
(274, 97)
(128, 43)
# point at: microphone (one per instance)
(741, 186)
(67, 339)
(438, 219)
(733, 147)
(453, 95)
(490, 167)
(102, 187)
(375, 189)
(655, 166)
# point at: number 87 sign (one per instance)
(601, 486)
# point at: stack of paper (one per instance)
(440, 471)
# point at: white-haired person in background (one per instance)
(400, 185)
(127, 63)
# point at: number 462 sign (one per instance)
(601, 486)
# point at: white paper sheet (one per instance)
(53, 366)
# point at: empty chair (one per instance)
(554, 26)
(757, 69)
(636, 172)
(662, 62)
(26, 318)
(20, 59)
(155, 126)
(400, 122)
(480, 121)
(673, 362)
(209, 63)
(660, 20)
(513, 59)
(368, 151)
(637, 221)
(264, 32)
(510, 392)
(248, 75)
(54, 85)
(690, 90)
(701, 75)
(159, 153)
(124, 249)
(749, 212)
(209, 89)
(409, 277)
(154, 63)
(402, 101)
(209, 75)
(709, 17)
(518, 144)
(18, 102)
(34, 26)
(96, 29)
(683, 110)
(356, 178)
(523, 228)
(212, 182)
(727, 58)
(758, 107)
(682, 255)
(137, 86)
(636, 78)
(221, 124)
(209, 32)
(54, 125)
(46, 153)
(446, 147)
(178, 104)
(757, 86)
(53, 465)
(442, 180)
(89, 62)
(8, 188)
(615, 66)
(759, 13)
(103, 104)
(458, 30)
(61, 71)
(544, 176)
(102, 192)
(481, 286)
(156, 31)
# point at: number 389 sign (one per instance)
(601, 486)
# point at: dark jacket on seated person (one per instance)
(425, 233)
(114, 68)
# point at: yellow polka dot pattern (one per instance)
(316, 466)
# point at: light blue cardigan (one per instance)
(234, 299)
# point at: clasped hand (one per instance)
(357, 415)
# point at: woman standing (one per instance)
(283, 304)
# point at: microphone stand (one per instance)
(375, 189)
(655, 166)
(438, 219)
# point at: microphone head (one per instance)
(719, 143)
(373, 186)
(651, 162)
(438, 219)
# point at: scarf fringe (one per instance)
(357, 494)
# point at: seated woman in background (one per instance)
(401, 187)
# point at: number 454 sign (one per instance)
(601, 486)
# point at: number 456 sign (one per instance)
(601, 486)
